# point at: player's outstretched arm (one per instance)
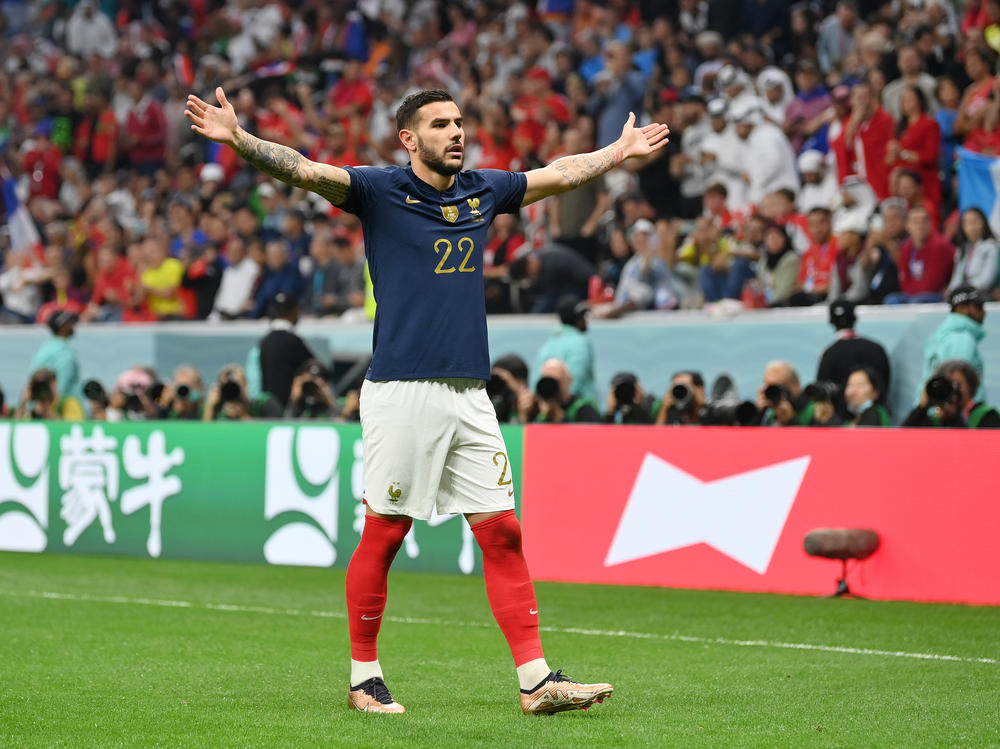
(570, 172)
(287, 164)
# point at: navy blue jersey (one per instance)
(425, 255)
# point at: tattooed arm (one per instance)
(288, 165)
(570, 172)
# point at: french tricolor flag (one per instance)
(24, 234)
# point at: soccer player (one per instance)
(430, 433)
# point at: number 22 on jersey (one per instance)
(443, 247)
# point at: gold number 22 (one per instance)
(465, 244)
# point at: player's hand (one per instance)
(643, 140)
(215, 123)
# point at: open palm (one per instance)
(216, 123)
(640, 141)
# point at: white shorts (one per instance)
(433, 444)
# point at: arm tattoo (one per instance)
(289, 166)
(583, 168)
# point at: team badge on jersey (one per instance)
(473, 206)
(450, 213)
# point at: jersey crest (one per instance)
(450, 213)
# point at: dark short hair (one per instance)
(696, 379)
(519, 268)
(406, 114)
(820, 209)
(873, 377)
(717, 188)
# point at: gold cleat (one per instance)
(373, 696)
(558, 693)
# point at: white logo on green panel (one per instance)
(90, 479)
(315, 452)
(24, 482)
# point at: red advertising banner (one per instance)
(728, 508)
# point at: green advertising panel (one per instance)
(275, 493)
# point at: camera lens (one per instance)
(941, 390)
(774, 394)
(682, 395)
(93, 390)
(625, 393)
(547, 389)
(230, 391)
(183, 392)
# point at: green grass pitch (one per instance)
(123, 652)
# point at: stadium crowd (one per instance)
(812, 154)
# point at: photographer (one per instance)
(227, 399)
(310, 396)
(508, 390)
(556, 403)
(41, 400)
(779, 398)
(863, 396)
(97, 400)
(822, 400)
(182, 398)
(627, 403)
(947, 400)
(684, 399)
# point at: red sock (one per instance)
(508, 585)
(367, 582)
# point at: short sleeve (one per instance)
(507, 187)
(363, 188)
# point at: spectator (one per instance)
(499, 253)
(711, 253)
(571, 345)
(864, 140)
(817, 263)
(919, 143)
(947, 400)
(687, 165)
(778, 271)
(864, 395)
(768, 162)
(925, 262)
(115, 287)
(322, 292)
(160, 282)
(958, 336)
(555, 401)
(850, 351)
(42, 400)
(90, 32)
(646, 280)
(234, 298)
(282, 351)
(575, 215)
(805, 114)
(20, 285)
(851, 276)
(42, 162)
(145, 136)
(554, 271)
(281, 276)
(203, 277)
(948, 95)
(911, 75)
(836, 36)
(976, 255)
(618, 90)
(64, 296)
(969, 122)
(721, 155)
(96, 138)
(884, 242)
(819, 183)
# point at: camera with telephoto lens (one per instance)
(94, 391)
(547, 389)
(183, 392)
(728, 413)
(942, 391)
(683, 397)
(821, 392)
(230, 390)
(774, 394)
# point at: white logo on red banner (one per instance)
(740, 516)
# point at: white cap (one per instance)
(212, 173)
(716, 107)
(850, 221)
(811, 161)
(266, 190)
(744, 111)
(770, 79)
(641, 226)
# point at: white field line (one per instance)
(239, 608)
